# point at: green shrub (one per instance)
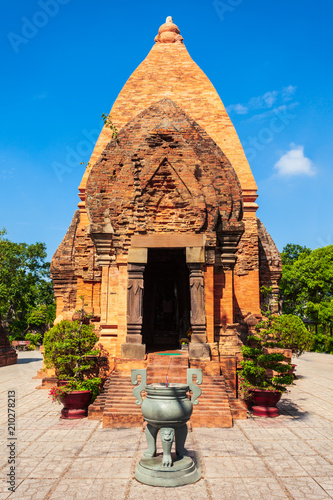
(34, 338)
(329, 344)
(322, 343)
(291, 333)
(256, 365)
(69, 348)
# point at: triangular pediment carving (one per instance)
(167, 200)
(166, 179)
(164, 174)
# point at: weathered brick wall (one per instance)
(164, 174)
(63, 270)
(270, 268)
(246, 272)
(169, 72)
(74, 271)
(248, 253)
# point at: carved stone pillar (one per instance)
(198, 347)
(198, 310)
(133, 348)
(134, 303)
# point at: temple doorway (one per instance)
(166, 301)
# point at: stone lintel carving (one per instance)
(173, 240)
(134, 303)
(198, 311)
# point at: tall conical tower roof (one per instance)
(169, 72)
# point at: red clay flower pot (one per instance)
(264, 403)
(75, 404)
(60, 383)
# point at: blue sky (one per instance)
(65, 61)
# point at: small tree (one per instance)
(258, 366)
(25, 286)
(69, 348)
(290, 331)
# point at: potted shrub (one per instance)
(75, 396)
(264, 376)
(289, 332)
(69, 348)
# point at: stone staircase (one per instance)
(116, 406)
(161, 366)
(213, 409)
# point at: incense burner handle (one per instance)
(196, 391)
(137, 390)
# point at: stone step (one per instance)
(116, 405)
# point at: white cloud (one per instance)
(288, 92)
(273, 112)
(265, 101)
(294, 163)
(239, 109)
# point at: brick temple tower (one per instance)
(166, 238)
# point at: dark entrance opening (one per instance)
(166, 301)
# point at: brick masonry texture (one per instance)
(270, 268)
(169, 72)
(73, 270)
(177, 167)
(164, 174)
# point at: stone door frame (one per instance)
(136, 263)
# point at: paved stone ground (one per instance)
(283, 458)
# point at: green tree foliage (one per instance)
(287, 331)
(307, 285)
(26, 292)
(291, 252)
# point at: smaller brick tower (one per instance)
(8, 355)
